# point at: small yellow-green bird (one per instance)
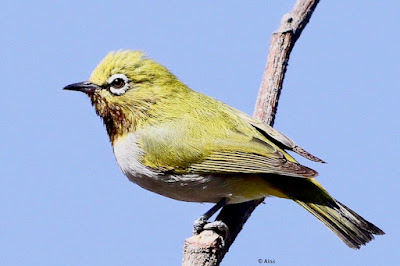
(187, 146)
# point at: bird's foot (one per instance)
(201, 224)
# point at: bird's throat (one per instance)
(117, 119)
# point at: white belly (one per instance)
(190, 187)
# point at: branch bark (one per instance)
(209, 248)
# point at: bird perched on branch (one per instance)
(187, 146)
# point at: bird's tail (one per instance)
(350, 227)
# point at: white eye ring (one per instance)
(118, 90)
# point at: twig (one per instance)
(209, 248)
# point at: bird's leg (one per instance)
(202, 223)
(202, 220)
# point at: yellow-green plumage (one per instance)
(182, 144)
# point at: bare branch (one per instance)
(203, 249)
(281, 45)
(209, 248)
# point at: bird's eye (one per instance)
(118, 83)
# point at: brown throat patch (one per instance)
(113, 115)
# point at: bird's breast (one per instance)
(128, 155)
(184, 187)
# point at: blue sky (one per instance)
(63, 199)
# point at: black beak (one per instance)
(86, 87)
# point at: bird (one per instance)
(182, 144)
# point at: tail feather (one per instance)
(350, 227)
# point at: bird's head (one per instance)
(124, 88)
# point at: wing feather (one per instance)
(279, 138)
(244, 145)
(241, 162)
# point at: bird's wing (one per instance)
(278, 138)
(228, 162)
(177, 149)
